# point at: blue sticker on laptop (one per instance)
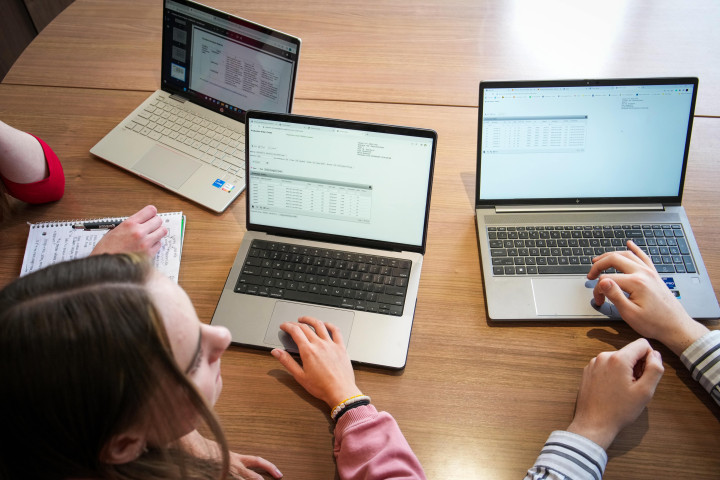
(670, 282)
(223, 185)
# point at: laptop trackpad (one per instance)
(567, 297)
(290, 312)
(166, 166)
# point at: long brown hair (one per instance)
(82, 353)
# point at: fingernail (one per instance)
(275, 353)
(278, 473)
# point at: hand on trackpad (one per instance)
(290, 312)
(288, 342)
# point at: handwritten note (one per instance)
(52, 242)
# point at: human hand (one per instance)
(140, 232)
(240, 465)
(614, 389)
(326, 371)
(650, 309)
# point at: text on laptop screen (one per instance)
(225, 63)
(338, 181)
(583, 141)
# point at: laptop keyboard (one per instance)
(569, 249)
(192, 134)
(325, 277)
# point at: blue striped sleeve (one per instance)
(702, 358)
(567, 456)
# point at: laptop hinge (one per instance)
(178, 98)
(579, 208)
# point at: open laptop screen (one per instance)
(226, 63)
(344, 179)
(603, 140)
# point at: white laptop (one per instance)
(337, 216)
(188, 136)
(568, 170)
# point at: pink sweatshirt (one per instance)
(369, 445)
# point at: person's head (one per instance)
(103, 365)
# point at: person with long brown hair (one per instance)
(107, 372)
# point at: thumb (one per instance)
(614, 293)
(287, 361)
(653, 371)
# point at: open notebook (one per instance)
(57, 241)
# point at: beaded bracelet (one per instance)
(348, 401)
(347, 408)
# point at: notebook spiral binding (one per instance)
(70, 223)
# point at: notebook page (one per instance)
(52, 242)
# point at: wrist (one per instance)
(336, 398)
(602, 435)
(687, 332)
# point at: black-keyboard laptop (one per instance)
(569, 249)
(322, 276)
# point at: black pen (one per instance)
(96, 225)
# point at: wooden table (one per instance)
(420, 52)
(476, 400)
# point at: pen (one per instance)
(96, 225)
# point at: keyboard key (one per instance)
(563, 269)
(689, 265)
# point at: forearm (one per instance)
(369, 445)
(567, 455)
(702, 358)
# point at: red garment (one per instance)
(46, 190)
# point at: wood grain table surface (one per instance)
(476, 400)
(421, 52)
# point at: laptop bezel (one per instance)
(329, 122)
(235, 115)
(664, 200)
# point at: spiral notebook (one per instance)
(53, 242)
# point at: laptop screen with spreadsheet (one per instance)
(338, 178)
(603, 140)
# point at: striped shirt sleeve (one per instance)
(702, 358)
(568, 456)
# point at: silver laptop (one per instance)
(337, 216)
(567, 170)
(188, 136)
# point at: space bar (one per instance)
(312, 298)
(560, 269)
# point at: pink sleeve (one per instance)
(46, 190)
(369, 445)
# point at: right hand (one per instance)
(140, 232)
(651, 309)
(326, 372)
(614, 390)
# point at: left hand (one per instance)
(240, 465)
(614, 390)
